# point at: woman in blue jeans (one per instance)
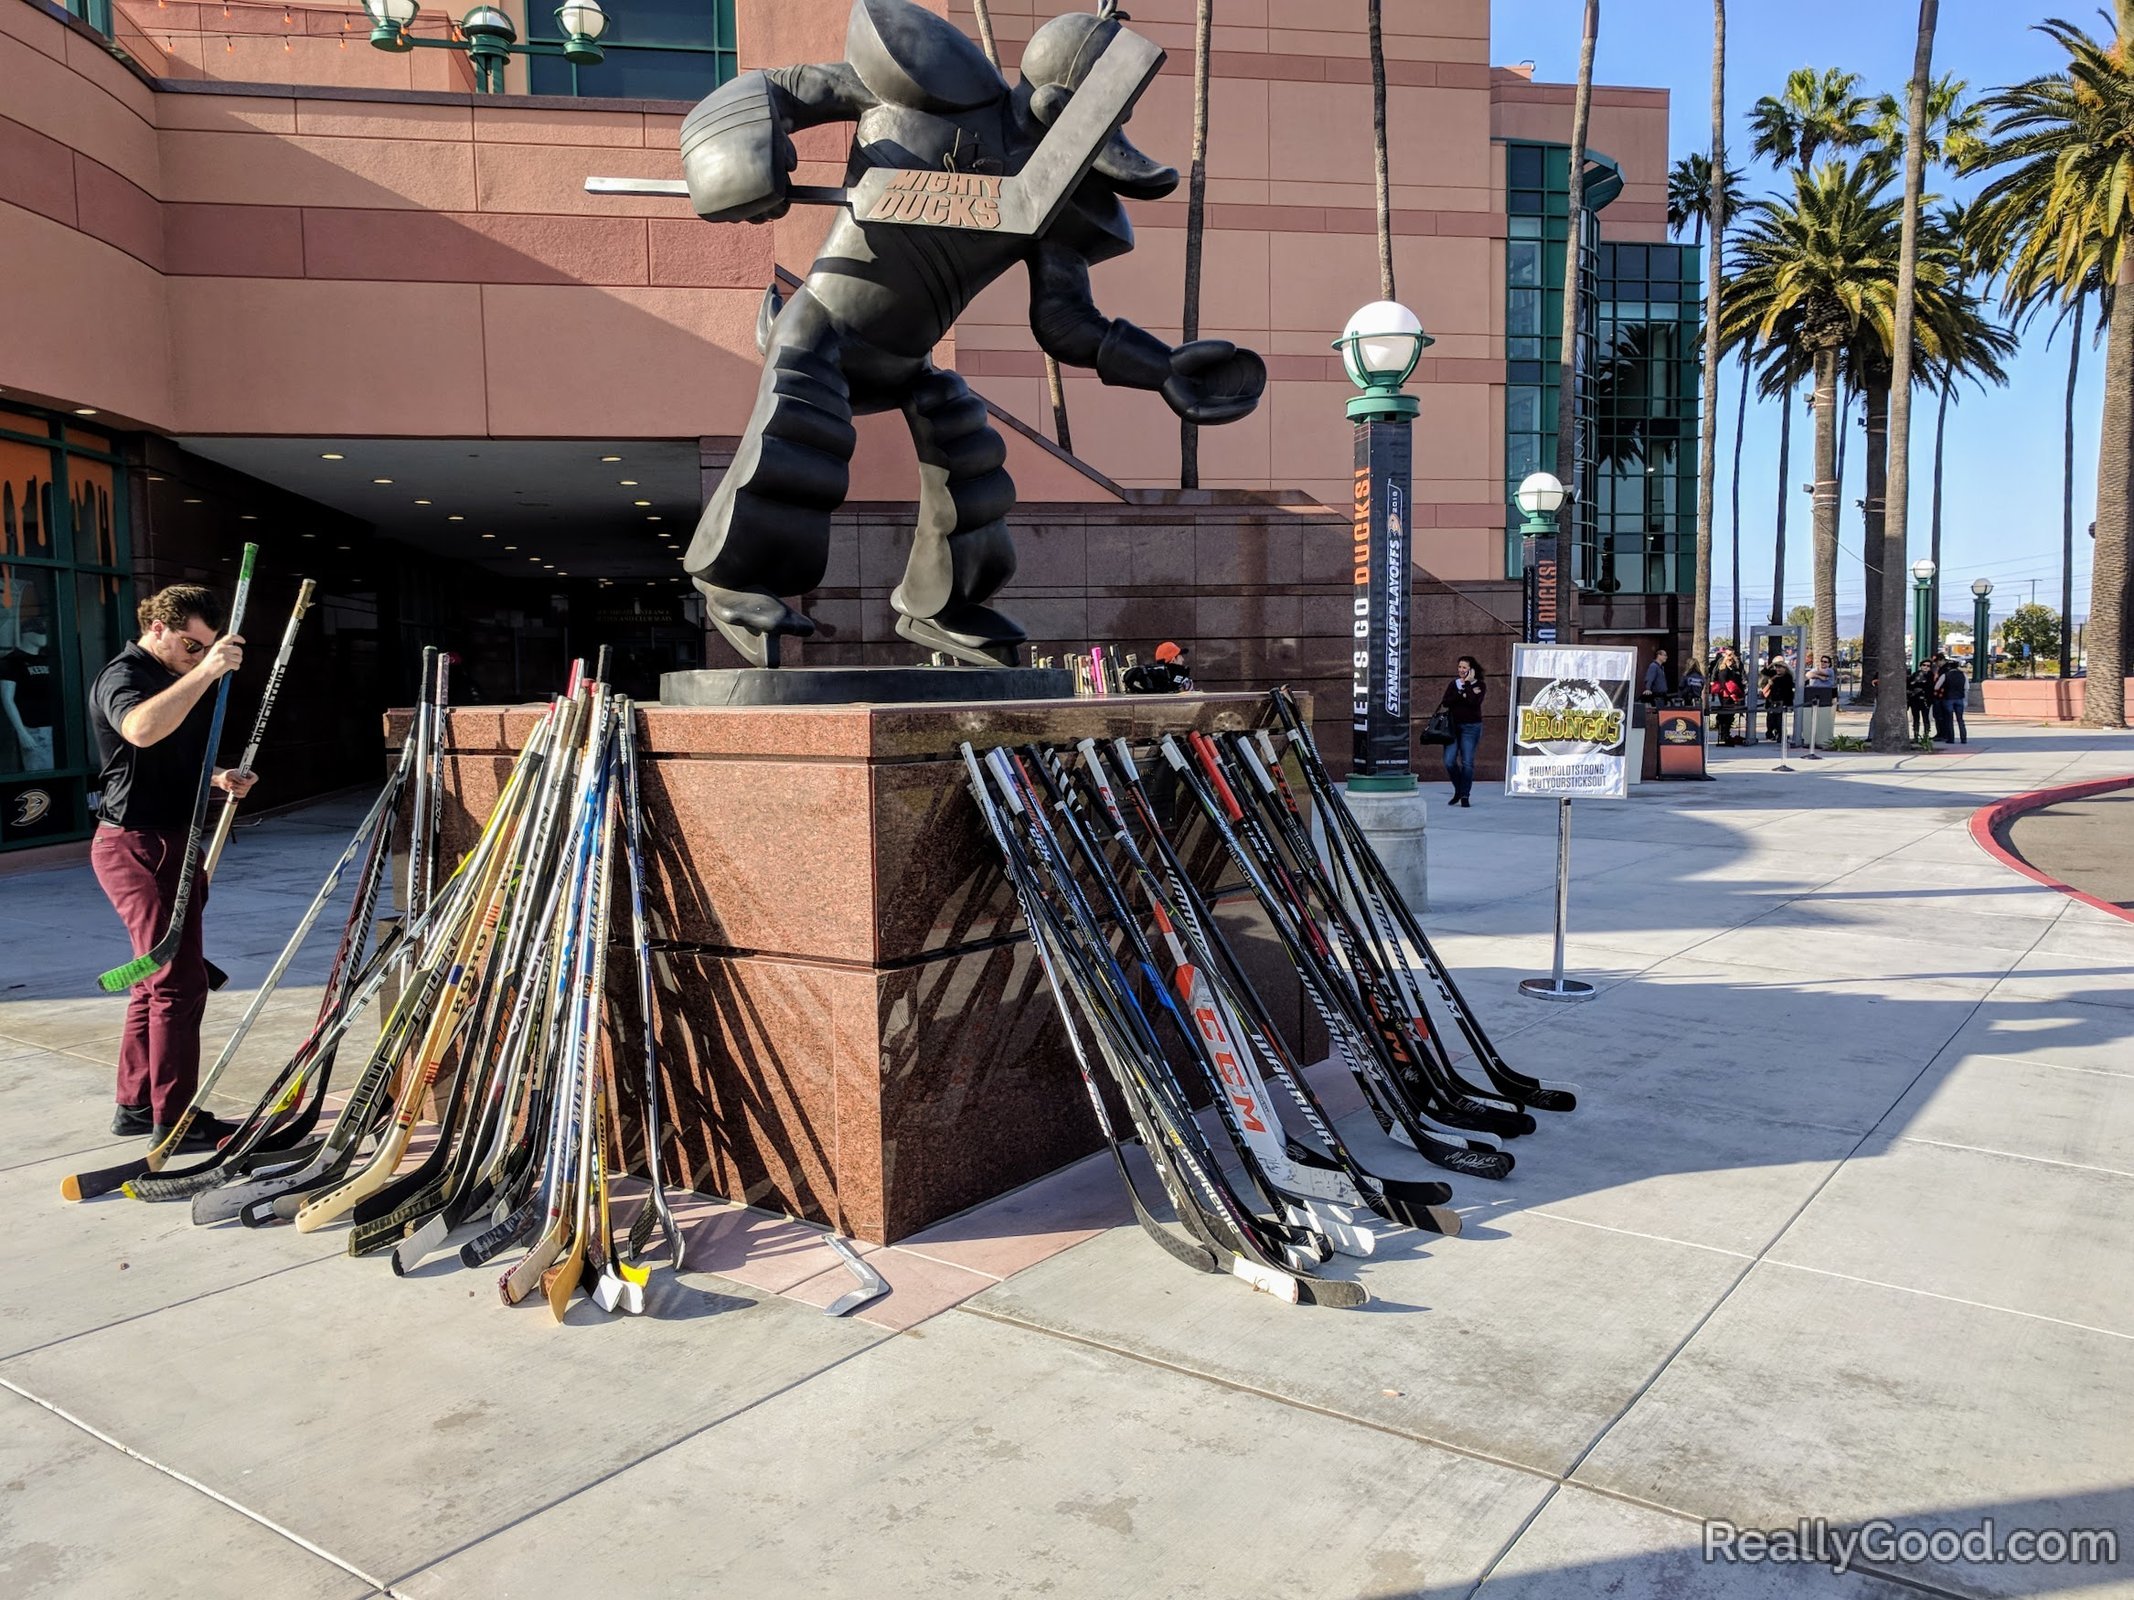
(1462, 703)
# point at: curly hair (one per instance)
(180, 602)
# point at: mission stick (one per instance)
(1529, 1090)
(419, 811)
(1305, 949)
(1403, 1021)
(158, 955)
(646, 1000)
(1405, 1201)
(267, 696)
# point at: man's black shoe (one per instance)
(126, 1121)
(205, 1134)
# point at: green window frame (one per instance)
(84, 583)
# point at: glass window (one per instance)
(1522, 409)
(1522, 263)
(1522, 311)
(29, 670)
(1522, 166)
(92, 495)
(26, 520)
(659, 50)
(1525, 201)
(1524, 227)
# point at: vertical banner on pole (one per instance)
(1570, 722)
(1379, 627)
(1538, 569)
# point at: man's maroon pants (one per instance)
(159, 1058)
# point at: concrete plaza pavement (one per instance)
(1839, 1230)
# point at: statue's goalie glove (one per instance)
(736, 155)
(1212, 380)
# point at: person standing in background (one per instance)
(149, 710)
(1655, 683)
(1165, 675)
(1462, 704)
(1778, 695)
(1950, 688)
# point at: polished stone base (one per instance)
(842, 686)
(853, 1028)
(1394, 823)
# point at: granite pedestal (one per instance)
(853, 1025)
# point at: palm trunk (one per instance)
(1708, 408)
(1055, 387)
(2104, 694)
(1892, 730)
(2067, 501)
(1196, 226)
(1785, 496)
(1381, 171)
(1570, 463)
(1875, 658)
(1825, 503)
(1741, 421)
(1941, 429)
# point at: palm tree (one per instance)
(1689, 195)
(1817, 113)
(1055, 387)
(1568, 466)
(1700, 634)
(2058, 219)
(1955, 129)
(1382, 173)
(1890, 730)
(1196, 229)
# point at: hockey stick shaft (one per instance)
(228, 818)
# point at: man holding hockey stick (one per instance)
(151, 709)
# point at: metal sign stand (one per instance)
(1557, 986)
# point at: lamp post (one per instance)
(1923, 630)
(490, 37)
(1981, 616)
(1380, 348)
(1539, 497)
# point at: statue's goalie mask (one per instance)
(1057, 59)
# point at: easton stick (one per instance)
(647, 1006)
(159, 1182)
(267, 696)
(158, 955)
(1539, 1093)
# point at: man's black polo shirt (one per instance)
(151, 786)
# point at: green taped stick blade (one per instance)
(119, 979)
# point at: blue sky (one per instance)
(2002, 472)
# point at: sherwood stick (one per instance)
(228, 818)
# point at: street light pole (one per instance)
(1923, 626)
(1380, 348)
(1981, 616)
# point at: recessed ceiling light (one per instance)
(640, 502)
(489, 536)
(381, 480)
(189, 500)
(152, 478)
(652, 519)
(627, 483)
(341, 547)
(308, 536)
(85, 411)
(331, 455)
(455, 517)
(247, 517)
(611, 458)
(422, 502)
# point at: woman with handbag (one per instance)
(1457, 724)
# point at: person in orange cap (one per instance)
(1167, 674)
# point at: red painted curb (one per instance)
(1988, 823)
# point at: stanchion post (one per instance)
(1556, 986)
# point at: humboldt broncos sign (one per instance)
(1570, 722)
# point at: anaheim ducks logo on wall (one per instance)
(32, 806)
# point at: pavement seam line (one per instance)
(2015, 1155)
(1632, 1233)
(195, 1484)
(152, 1311)
(612, 1473)
(1760, 1258)
(1952, 1299)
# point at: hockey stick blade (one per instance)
(872, 1284)
(106, 1180)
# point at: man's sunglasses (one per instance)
(193, 647)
